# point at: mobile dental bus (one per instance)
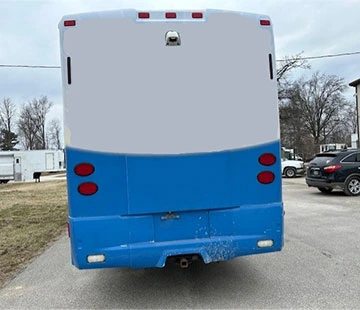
(172, 137)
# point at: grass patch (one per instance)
(32, 215)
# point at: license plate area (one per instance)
(181, 226)
(315, 172)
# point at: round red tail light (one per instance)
(84, 169)
(266, 177)
(267, 159)
(88, 188)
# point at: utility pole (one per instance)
(356, 84)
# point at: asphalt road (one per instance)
(319, 267)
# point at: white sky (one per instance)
(29, 36)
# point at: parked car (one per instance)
(290, 168)
(335, 170)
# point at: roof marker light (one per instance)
(265, 22)
(69, 23)
(170, 15)
(143, 15)
(197, 15)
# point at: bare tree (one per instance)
(347, 126)
(288, 65)
(32, 123)
(318, 106)
(312, 111)
(291, 129)
(54, 133)
(7, 114)
(40, 109)
(27, 128)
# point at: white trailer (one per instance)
(28, 165)
(7, 163)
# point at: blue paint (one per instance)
(219, 209)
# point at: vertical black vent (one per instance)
(69, 70)
(271, 67)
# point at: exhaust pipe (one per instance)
(183, 260)
(184, 263)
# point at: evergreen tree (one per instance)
(8, 140)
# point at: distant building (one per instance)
(356, 84)
(332, 147)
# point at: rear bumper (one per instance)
(323, 183)
(144, 255)
(230, 233)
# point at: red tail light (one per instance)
(84, 169)
(87, 188)
(267, 159)
(68, 229)
(266, 177)
(330, 169)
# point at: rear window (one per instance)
(323, 159)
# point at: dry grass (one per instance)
(31, 216)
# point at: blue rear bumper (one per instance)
(142, 241)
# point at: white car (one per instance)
(291, 168)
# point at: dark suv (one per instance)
(335, 170)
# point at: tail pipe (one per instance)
(184, 263)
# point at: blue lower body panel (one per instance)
(215, 235)
(149, 207)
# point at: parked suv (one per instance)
(335, 170)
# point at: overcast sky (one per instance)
(29, 36)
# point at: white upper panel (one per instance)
(130, 93)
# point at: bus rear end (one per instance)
(172, 137)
